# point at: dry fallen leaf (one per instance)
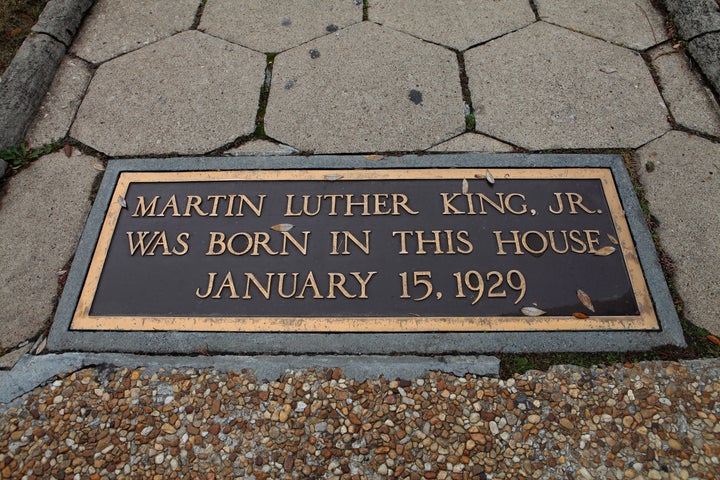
(585, 300)
(580, 315)
(332, 177)
(606, 69)
(99, 166)
(605, 251)
(67, 148)
(13, 33)
(490, 179)
(121, 201)
(713, 339)
(282, 227)
(465, 186)
(532, 311)
(373, 157)
(41, 346)
(612, 239)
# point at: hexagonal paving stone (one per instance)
(367, 89)
(190, 93)
(458, 25)
(114, 27)
(635, 24)
(55, 115)
(547, 87)
(691, 103)
(42, 214)
(278, 25)
(682, 185)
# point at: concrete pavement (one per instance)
(176, 79)
(383, 76)
(172, 78)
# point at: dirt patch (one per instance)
(16, 19)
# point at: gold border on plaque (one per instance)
(646, 320)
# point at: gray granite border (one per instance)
(61, 339)
(698, 23)
(32, 371)
(29, 75)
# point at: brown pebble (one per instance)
(288, 463)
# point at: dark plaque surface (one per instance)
(366, 250)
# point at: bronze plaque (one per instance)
(377, 250)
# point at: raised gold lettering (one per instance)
(211, 280)
(363, 282)
(448, 207)
(337, 280)
(228, 283)
(171, 204)
(217, 239)
(143, 210)
(182, 240)
(514, 241)
(193, 201)
(264, 291)
(310, 283)
(300, 248)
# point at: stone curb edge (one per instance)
(33, 370)
(698, 23)
(29, 75)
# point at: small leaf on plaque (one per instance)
(490, 179)
(465, 186)
(585, 300)
(612, 239)
(332, 177)
(373, 157)
(532, 311)
(67, 148)
(282, 227)
(580, 315)
(605, 251)
(121, 201)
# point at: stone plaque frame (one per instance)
(432, 335)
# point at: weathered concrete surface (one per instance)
(706, 52)
(33, 370)
(365, 89)
(57, 110)
(114, 27)
(694, 17)
(24, 84)
(42, 212)
(633, 24)
(261, 147)
(472, 142)
(563, 90)
(278, 25)
(683, 191)
(200, 94)
(458, 25)
(690, 102)
(61, 19)
(9, 360)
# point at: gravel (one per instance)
(651, 420)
